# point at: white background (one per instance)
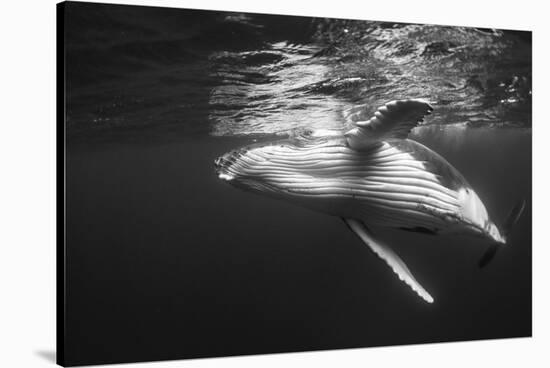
(27, 182)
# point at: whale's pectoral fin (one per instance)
(393, 120)
(389, 256)
(511, 221)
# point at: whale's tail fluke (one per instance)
(511, 221)
(513, 217)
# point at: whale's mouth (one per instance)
(224, 164)
(221, 171)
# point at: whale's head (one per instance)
(245, 168)
(285, 169)
(223, 164)
(228, 166)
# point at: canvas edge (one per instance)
(60, 186)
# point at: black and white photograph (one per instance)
(241, 183)
(290, 183)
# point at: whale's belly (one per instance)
(397, 183)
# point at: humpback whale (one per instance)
(372, 175)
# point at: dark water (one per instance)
(165, 261)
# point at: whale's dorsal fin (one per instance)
(393, 120)
(389, 256)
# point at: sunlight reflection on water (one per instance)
(277, 102)
(309, 86)
(226, 74)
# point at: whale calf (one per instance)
(372, 175)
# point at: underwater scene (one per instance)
(165, 260)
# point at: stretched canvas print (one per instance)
(235, 183)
